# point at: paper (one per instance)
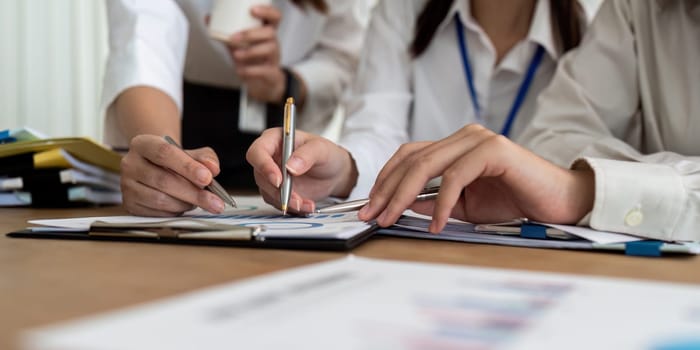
(421, 222)
(358, 303)
(601, 237)
(251, 211)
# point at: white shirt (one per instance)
(627, 103)
(398, 99)
(158, 42)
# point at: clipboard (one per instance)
(524, 233)
(191, 231)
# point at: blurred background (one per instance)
(52, 55)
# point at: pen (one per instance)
(426, 194)
(214, 186)
(288, 127)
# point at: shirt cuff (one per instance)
(636, 198)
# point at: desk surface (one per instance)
(45, 281)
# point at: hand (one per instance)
(160, 179)
(256, 55)
(485, 178)
(320, 169)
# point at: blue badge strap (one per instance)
(524, 88)
(522, 91)
(464, 51)
(644, 248)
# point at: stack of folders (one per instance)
(56, 172)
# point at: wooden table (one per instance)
(45, 281)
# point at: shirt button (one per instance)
(634, 217)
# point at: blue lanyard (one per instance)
(522, 91)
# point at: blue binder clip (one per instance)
(643, 248)
(533, 231)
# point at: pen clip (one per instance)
(288, 115)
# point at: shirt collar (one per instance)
(540, 32)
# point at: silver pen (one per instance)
(426, 194)
(288, 127)
(214, 186)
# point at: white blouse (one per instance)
(627, 105)
(157, 43)
(398, 99)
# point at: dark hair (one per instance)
(567, 22)
(318, 5)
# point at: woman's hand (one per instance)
(256, 55)
(485, 178)
(320, 169)
(160, 179)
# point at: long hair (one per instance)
(567, 23)
(318, 5)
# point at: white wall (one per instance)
(52, 55)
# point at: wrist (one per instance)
(583, 193)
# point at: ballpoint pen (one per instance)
(288, 127)
(214, 186)
(426, 194)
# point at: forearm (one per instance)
(146, 110)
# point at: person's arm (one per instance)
(146, 110)
(142, 91)
(380, 103)
(486, 178)
(588, 112)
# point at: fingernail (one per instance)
(274, 180)
(365, 210)
(202, 175)
(307, 207)
(297, 203)
(217, 204)
(295, 164)
(382, 218)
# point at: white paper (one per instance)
(358, 303)
(251, 211)
(602, 237)
(251, 114)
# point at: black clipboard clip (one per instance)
(180, 228)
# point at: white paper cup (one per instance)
(232, 16)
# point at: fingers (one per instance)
(146, 201)
(251, 37)
(484, 160)
(397, 188)
(163, 154)
(164, 179)
(269, 15)
(297, 204)
(266, 52)
(162, 192)
(264, 156)
(208, 157)
(401, 154)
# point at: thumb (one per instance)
(306, 157)
(208, 157)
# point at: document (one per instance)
(538, 236)
(251, 211)
(359, 303)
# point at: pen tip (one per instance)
(290, 100)
(284, 210)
